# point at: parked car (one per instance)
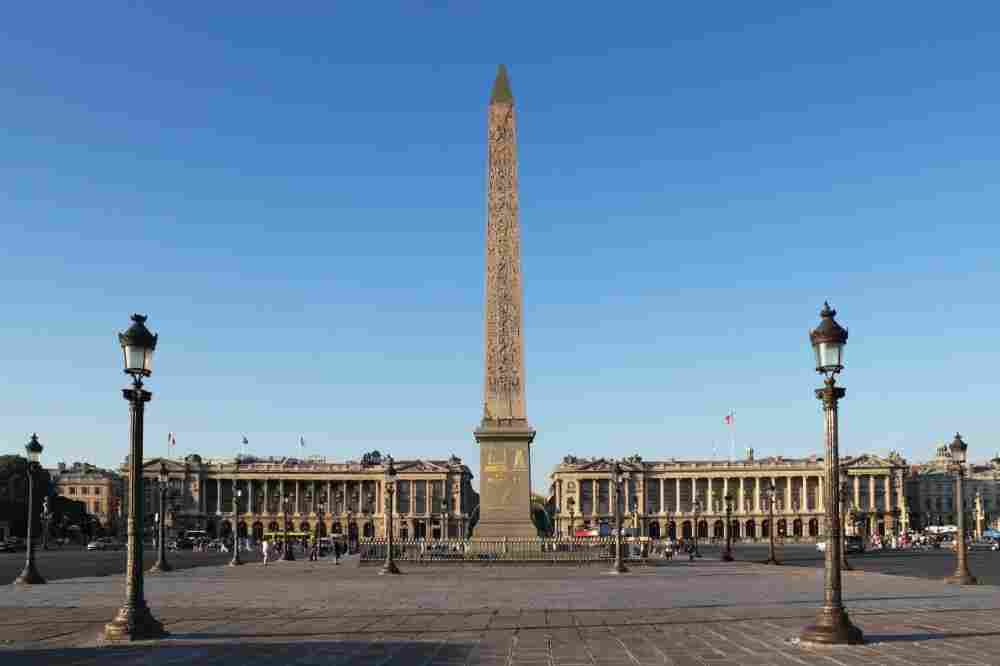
(852, 544)
(105, 543)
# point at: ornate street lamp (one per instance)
(846, 515)
(616, 480)
(286, 552)
(29, 575)
(727, 554)
(46, 521)
(833, 626)
(237, 495)
(571, 503)
(770, 493)
(390, 489)
(696, 510)
(134, 621)
(162, 484)
(957, 467)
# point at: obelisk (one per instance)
(504, 435)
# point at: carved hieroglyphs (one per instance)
(504, 435)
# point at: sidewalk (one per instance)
(702, 613)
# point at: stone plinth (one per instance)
(505, 479)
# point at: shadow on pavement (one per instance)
(263, 652)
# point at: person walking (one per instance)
(336, 552)
(266, 550)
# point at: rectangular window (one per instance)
(586, 497)
(72, 490)
(420, 497)
(403, 497)
(97, 491)
(653, 496)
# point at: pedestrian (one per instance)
(266, 549)
(336, 552)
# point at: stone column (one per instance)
(871, 493)
(788, 494)
(677, 493)
(740, 508)
(694, 495)
(857, 492)
(756, 495)
(250, 496)
(821, 493)
(663, 498)
(888, 493)
(218, 488)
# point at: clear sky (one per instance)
(296, 197)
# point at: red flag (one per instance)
(729, 418)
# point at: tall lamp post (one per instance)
(237, 495)
(390, 489)
(696, 509)
(134, 621)
(727, 554)
(958, 451)
(616, 479)
(833, 626)
(29, 575)
(571, 503)
(842, 528)
(162, 484)
(769, 493)
(286, 552)
(46, 522)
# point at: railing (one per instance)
(499, 551)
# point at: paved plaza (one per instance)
(707, 612)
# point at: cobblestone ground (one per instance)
(682, 613)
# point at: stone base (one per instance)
(964, 578)
(833, 627)
(389, 568)
(505, 480)
(134, 624)
(29, 576)
(161, 566)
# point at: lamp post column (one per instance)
(134, 621)
(727, 554)
(237, 494)
(390, 487)
(961, 575)
(772, 558)
(29, 575)
(618, 567)
(833, 626)
(161, 550)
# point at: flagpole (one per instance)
(732, 435)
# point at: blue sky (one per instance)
(297, 200)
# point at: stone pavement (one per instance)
(682, 613)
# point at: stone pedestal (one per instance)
(505, 479)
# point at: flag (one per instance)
(245, 440)
(302, 442)
(729, 418)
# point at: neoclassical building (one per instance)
(324, 498)
(99, 489)
(662, 495)
(931, 487)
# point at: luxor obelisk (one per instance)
(504, 435)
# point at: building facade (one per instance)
(931, 493)
(433, 499)
(100, 490)
(677, 498)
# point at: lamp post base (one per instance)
(29, 576)
(388, 568)
(161, 566)
(235, 562)
(618, 568)
(287, 556)
(833, 627)
(772, 560)
(134, 624)
(727, 556)
(962, 578)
